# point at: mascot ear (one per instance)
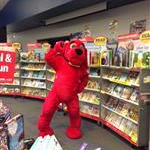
(59, 46)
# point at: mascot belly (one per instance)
(69, 60)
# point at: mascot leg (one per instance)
(73, 131)
(50, 105)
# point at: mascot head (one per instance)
(75, 53)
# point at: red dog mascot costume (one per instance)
(69, 60)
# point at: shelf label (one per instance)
(7, 66)
(100, 41)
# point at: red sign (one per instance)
(7, 66)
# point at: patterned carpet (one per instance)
(95, 135)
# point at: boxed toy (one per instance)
(126, 44)
(46, 143)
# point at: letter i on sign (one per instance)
(1, 57)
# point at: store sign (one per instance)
(7, 66)
(145, 37)
(100, 41)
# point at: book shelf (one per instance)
(33, 76)
(122, 107)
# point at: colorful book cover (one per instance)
(132, 77)
(123, 76)
(3, 139)
(122, 124)
(117, 121)
(128, 127)
(111, 87)
(135, 95)
(119, 107)
(125, 109)
(116, 75)
(133, 113)
(134, 133)
(118, 90)
(15, 127)
(126, 93)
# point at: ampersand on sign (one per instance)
(8, 58)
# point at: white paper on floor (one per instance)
(46, 143)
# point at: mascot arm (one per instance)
(55, 56)
(84, 81)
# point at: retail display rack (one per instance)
(123, 106)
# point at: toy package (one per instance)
(15, 127)
(46, 143)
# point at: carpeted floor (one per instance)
(95, 135)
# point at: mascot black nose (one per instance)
(79, 51)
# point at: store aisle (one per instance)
(93, 134)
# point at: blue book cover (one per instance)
(15, 127)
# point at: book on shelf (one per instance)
(94, 71)
(110, 74)
(123, 124)
(123, 76)
(111, 87)
(125, 109)
(116, 75)
(132, 77)
(112, 103)
(118, 90)
(128, 127)
(126, 93)
(135, 95)
(119, 107)
(111, 118)
(133, 113)
(117, 122)
(108, 114)
(134, 133)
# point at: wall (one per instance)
(98, 22)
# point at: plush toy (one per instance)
(69, 60)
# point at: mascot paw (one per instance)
(45, 133)
(73, 133)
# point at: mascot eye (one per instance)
(73, 45)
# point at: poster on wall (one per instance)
(7, 64)
(138, 26)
